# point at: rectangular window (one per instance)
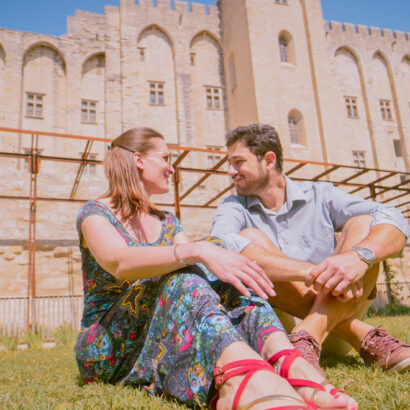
(34, 105)
(156, 93)
(213, 158)
(283, 50)
(89, 111)
(213, 97)
(91, 168)
(398, 148)
(351, 107)
(359, 159)
(385, 110)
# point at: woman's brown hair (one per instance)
(125, 188)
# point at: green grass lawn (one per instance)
(48, 379)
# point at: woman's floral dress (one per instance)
(166, 333)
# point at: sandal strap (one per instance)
(335, 391)
(249, 366)
(290, 357)
(305, 383)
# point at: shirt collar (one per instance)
(294, 193)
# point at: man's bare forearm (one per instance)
(385, 241)
(279, 268)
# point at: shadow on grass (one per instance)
(351, 361)
(80, 381)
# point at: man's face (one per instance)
(248, 173)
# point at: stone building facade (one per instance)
(335, 92)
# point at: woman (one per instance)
(155, 316)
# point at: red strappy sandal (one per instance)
(290, 356)
(249, 367)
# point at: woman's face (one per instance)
(155, 168)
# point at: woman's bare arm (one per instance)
(128, 262)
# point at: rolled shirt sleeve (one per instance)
(343, 206)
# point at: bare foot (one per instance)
(262, 384)
(302, 369)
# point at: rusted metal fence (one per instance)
(386, 186)
(51, 312)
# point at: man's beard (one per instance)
(255, 186)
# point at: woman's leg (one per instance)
(189, 335)
(262, 330)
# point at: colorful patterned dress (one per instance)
(166, 333)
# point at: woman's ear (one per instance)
(270, 158)
(139, 161)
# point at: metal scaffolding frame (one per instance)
(379, 188)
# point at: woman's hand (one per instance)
(236, 269)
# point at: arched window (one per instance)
(293, 130)
(283, 50)
(286, 48)
(296, 128)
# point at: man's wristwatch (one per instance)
(366, 255)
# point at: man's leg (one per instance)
(322, 313)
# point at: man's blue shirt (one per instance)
(305, 226)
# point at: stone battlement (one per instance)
(179, 6)
(338, 28)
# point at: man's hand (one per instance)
(338, 274)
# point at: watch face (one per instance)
(365, 253)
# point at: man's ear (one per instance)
(270, 158)
(139, 161)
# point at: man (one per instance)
(288, 228)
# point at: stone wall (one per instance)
(219, 67)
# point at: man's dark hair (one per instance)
(259, 139)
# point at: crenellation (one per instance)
(336, 28)
(400, 36)
(198, 8)
(213, 10)
(349, 29)
(387, 34)
(84, 23)
(181, 7)
(374, 32)
(362, 30)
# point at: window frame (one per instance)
(385, 109)
(37, 102)
(156, 89)
(359, 158)
(283, 50)
(88, 110)
(352, 111)
(213, 158)
(213, 97)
